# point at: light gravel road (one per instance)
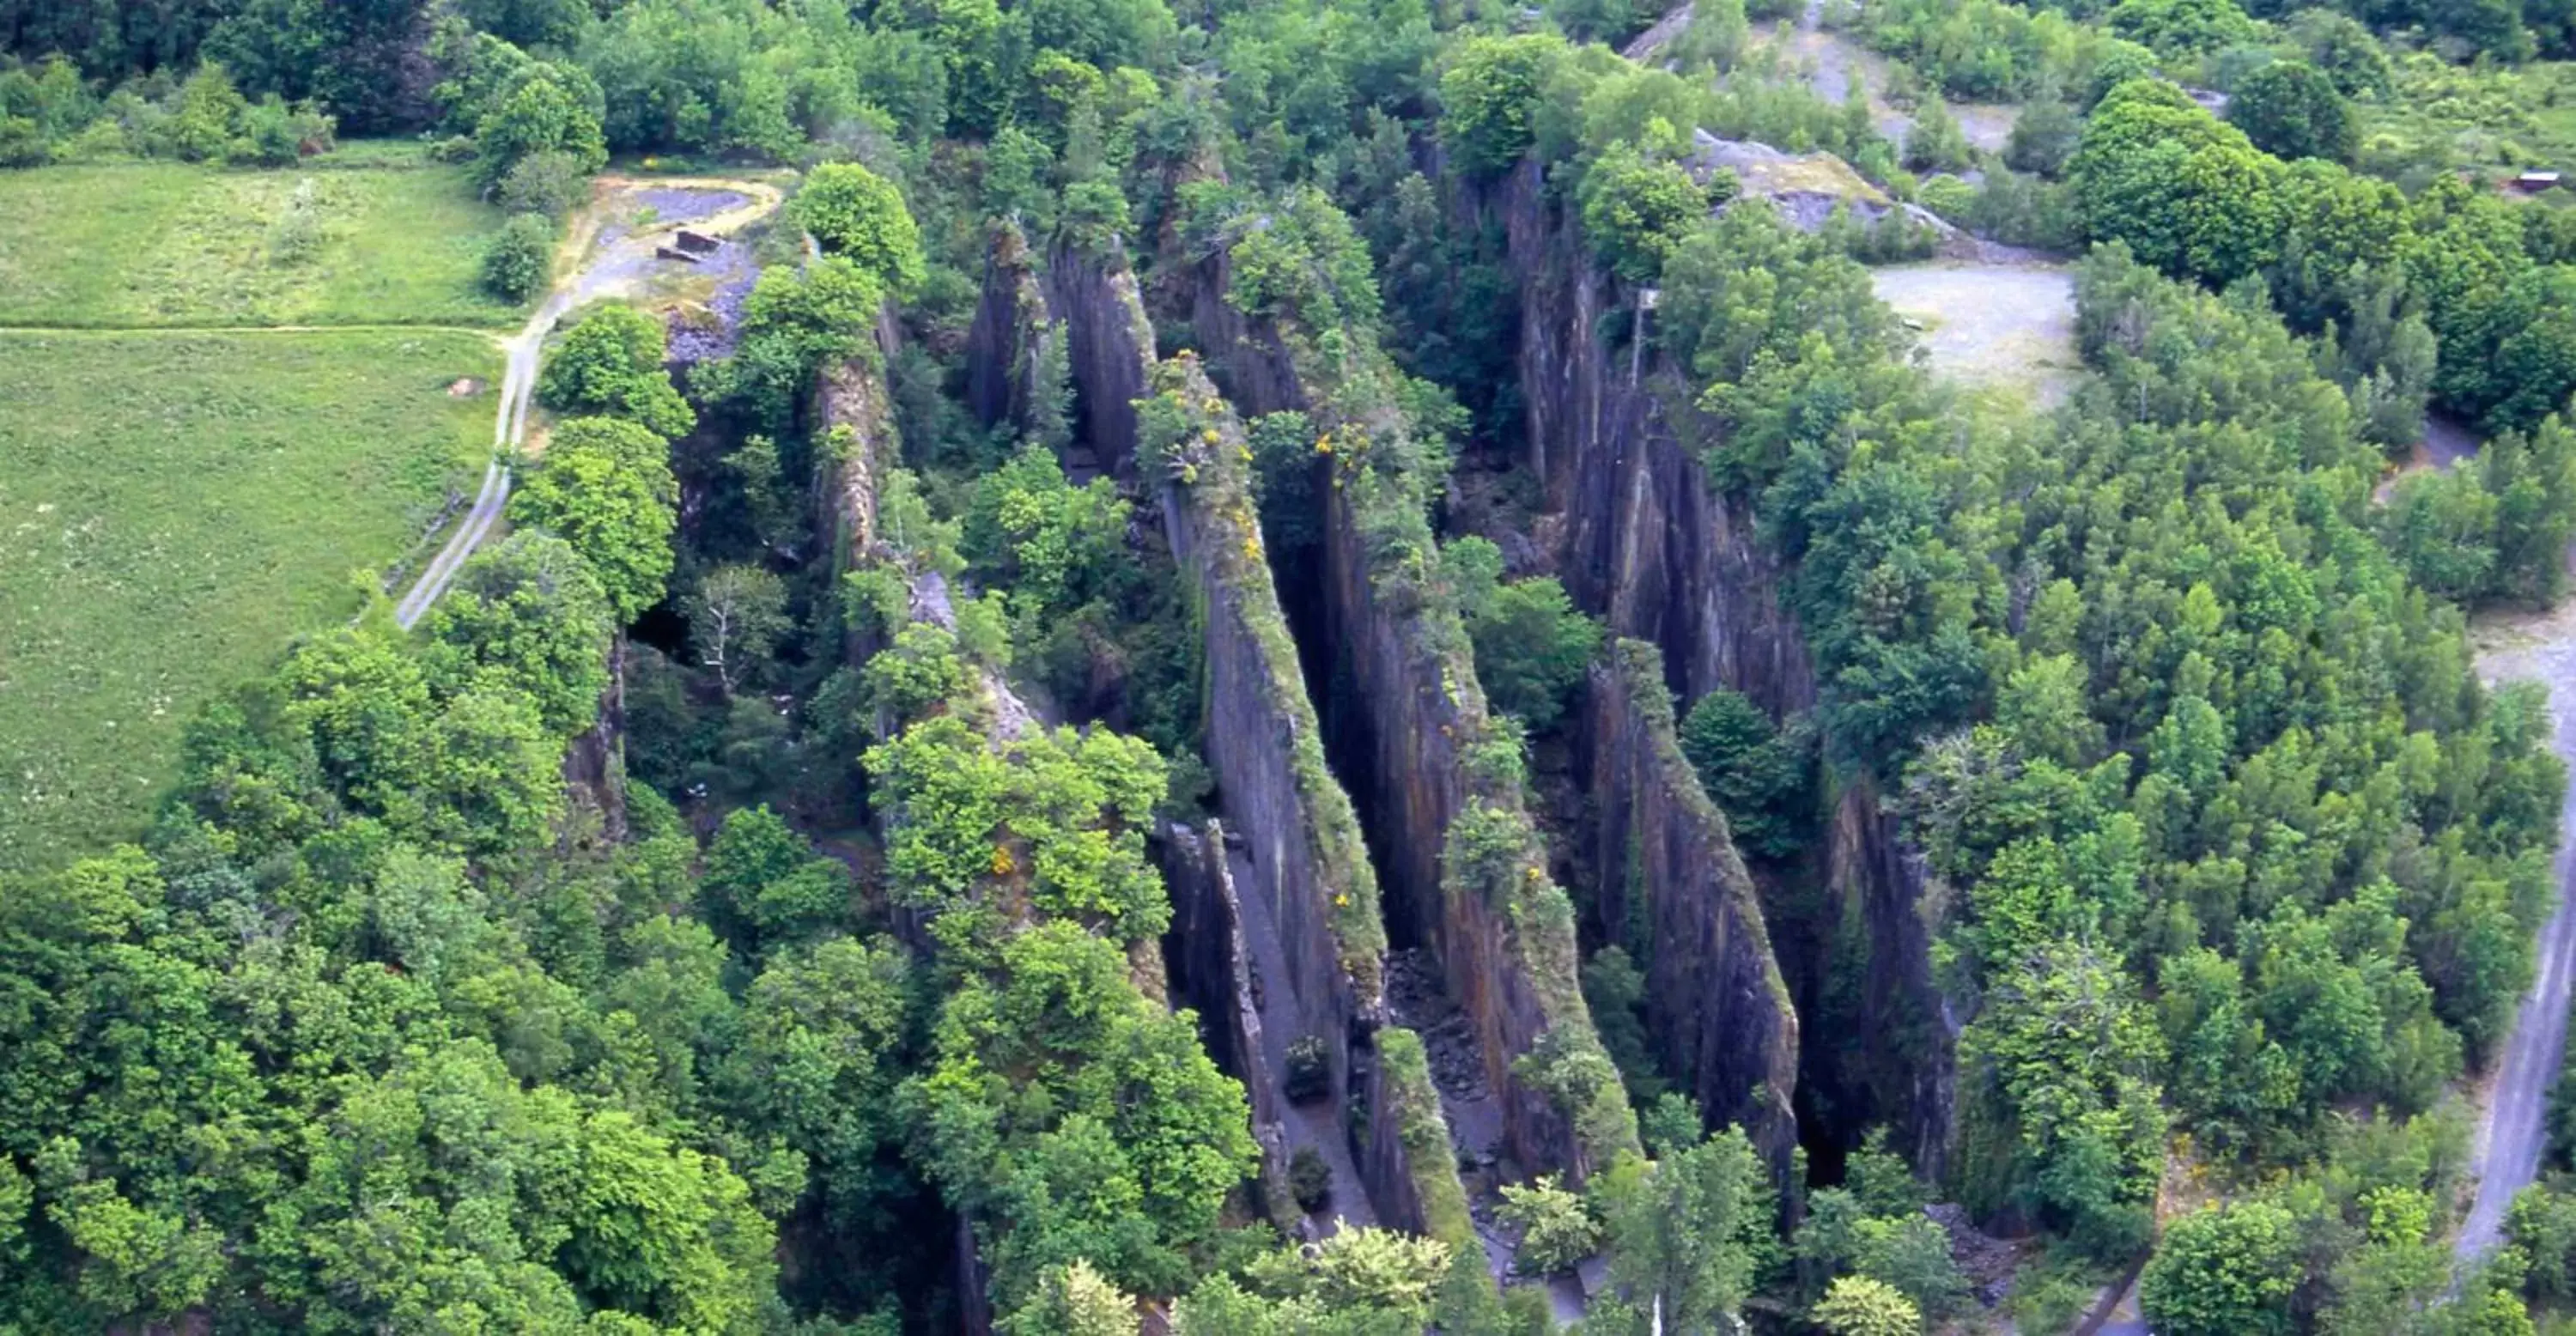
(2509, 1146)
(622, 263)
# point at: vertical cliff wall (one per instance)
(1463, 866)
(1213, 966)
(1904, 1054)
(594, 765)
(1648, 545)
(1662, 556)
(855, 448)
(1008, 345)
(1298, 889)
(1671, 889)
(1111, 350)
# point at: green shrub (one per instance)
(1310, 1180)
(550, 183)
(1948, 196)
(1310, 1075)
(518, 262)
(1636, 209)
(1557, 1229)
(855, 212)
(1488, 99)
(2290, 108)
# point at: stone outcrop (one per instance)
(1908, 1046)
(1462, 864)
(594, 764)
(1009, 346)
(1212, 964)
(1670, 888)
(1662, 555)
(1290, 879)
(853, 452)
(1110, 351)
(1649, 545)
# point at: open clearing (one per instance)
(2000, 326)
(396, 241)
(177, 507)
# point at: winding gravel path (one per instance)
(622, 264)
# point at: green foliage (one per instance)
(795, 321)
(1935, 143)
(1358, 1281)
(1557, 1229)
(609, 364)
(1054, 546)
(2073, 1056)
(1055, 819)
(1760, 775)
(546, 109)
(1636, 209)
(854, 212)
(1873, 1228)
(2291, 109)
(1614, 991)
(736, 615)
(920, 671)
(1304, 262)
(1531, 644)
(1310, 1180)
(2182, 27)
(1488, 99)
(1859, 1306)
(2043, 137)
(605, 486)
(2189, 195)
(2224, 1270)
(551, 183)
(1685, 1234)
(1074, 1300)
(526, 614)
(762, 879)
(1983, 50)
(518, 262)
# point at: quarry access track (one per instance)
(621, 264)
(2516, 1131)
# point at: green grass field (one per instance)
(174, 509)
(397, 240)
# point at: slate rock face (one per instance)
(1669, 886)
(1297, 890)
(1650, 545)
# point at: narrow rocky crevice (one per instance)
(1276, 938)
(1643, 539)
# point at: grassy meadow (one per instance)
(382, 235)
(175, 508)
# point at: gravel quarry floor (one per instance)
(1996, 326)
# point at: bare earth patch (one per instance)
(1997, 326)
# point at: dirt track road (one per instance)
(620, 264)
(2509, 1145)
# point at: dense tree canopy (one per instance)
(429, 1003)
